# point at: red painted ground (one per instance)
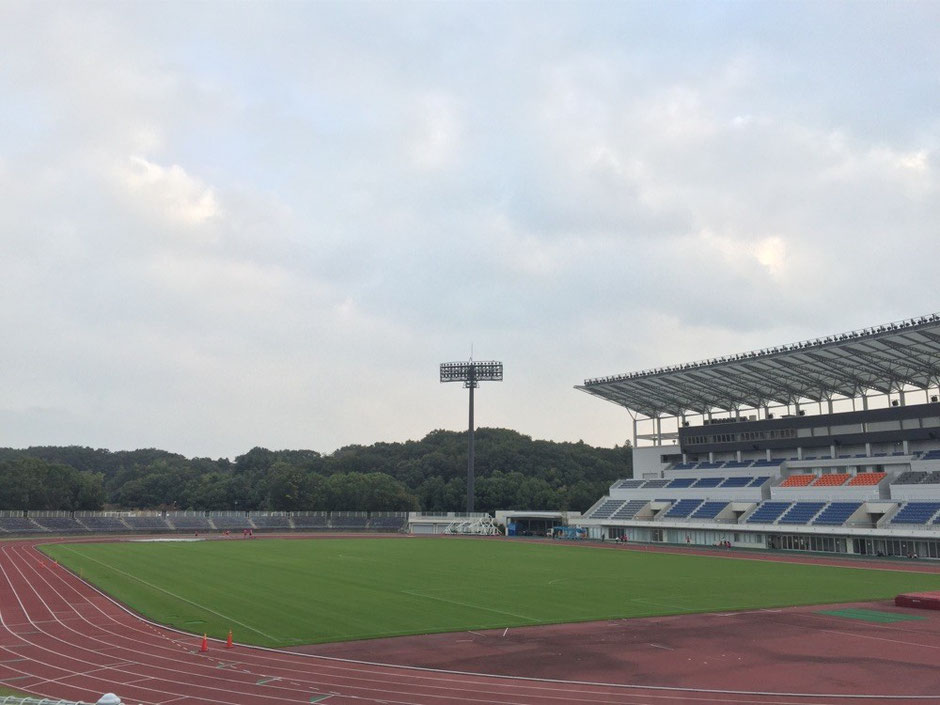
(61, 638)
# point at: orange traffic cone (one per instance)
(228, 642)
(205, 643)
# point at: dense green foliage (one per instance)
(512, 470)
(30, 483)
(279, 592)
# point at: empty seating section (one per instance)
(355, 521)
(191, 522)
(683, 508)
(708, 510)
(681, 482)
(316, 520)
(866, 479)
(801, 512)
(916, 513)
(106, 523)
(387, 523)
(836, 513)
(629, 509)
(230, 521)
(18, 524)
(738, 463)
(59, 524)
(273, 521)
(683, 466)
(911, 477)
(144, 523)
(772, 463)
(708, 482)
(710, 466)
(768, 512)
(832, 480)
(758, 481)
(655, 483)
(931, 455)
(737, 482)
(798, 481)
(607, 507)
(629, 484)
(933, 478)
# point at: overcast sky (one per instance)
(230, 224)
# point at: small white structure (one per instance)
(480, 526)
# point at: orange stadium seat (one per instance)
(832, 480)
(866, 478)
(798, 480)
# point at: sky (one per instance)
(236, 224)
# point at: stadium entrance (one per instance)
(534, 523)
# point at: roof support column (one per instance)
(659, 431)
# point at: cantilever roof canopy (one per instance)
(885, 358)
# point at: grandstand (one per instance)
(830, 444)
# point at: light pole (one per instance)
(471, 373)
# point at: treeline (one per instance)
(512, 472)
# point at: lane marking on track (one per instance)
(470, 605)
(735, 614)
(660, 646)
(174, 595)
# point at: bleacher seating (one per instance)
(705, 465)
(272, 521)
(708, 482)
(629, 509)
(683, 466)
(758, 481)
(655, 484)
(932, 478)
(931, 455)
(801, 512)
(680, 482)
(388, 523)
(355, 521)
(19, 525)
(801, 480)
(189, 522)
(316, 520)
(866, 479)
(772, 463)
(629, 484)
(683, 508)
(740, 481)
(103, 523)
(738, 464)
(230, 521)
(768, 512)
(831, 480)
(708, 510)
(59, 524)
(916, 513)
(836, 513)
(607, 507)
(910, 477)
(146, 523)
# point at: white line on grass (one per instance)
(470, 605)
(172, 594)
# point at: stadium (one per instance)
(782, 501)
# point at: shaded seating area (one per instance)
(768, 512)
(629, 509)
(739, 463)
(866, 479)
(916, 513)
(387, 523)
(708, 482)
(58, 524)
(191, 522)
(349, 521)
(832, 480)
(18, 525)
(311, 520)
(801, 480)
(103, 523)
(629, 484)
(910, 477)
(683, 508)
(606, 509)
(772, 463)
(271, 521)
(146, 523)
(801, 513)
(758, 481)
(741, 481)
(230, 521)
(655, 483)
(836, 513)
(708, 510)
(681, 482)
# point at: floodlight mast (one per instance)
(471, 374)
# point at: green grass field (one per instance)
(282, 592)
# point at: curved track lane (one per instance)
(60, 637)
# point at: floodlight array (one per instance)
(489, 371)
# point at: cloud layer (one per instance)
(226, 225)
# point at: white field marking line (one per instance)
(522, 680)
(505, 631)
(163, 681)
(470, 605)
(660, 646)
(734, 614)
(174, 595)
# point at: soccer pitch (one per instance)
(276, 592)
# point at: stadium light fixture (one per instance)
(471, 374)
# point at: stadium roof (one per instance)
(884, 358)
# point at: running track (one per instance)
(61, 638)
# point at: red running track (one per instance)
(61, 638)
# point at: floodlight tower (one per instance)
(471, 373)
